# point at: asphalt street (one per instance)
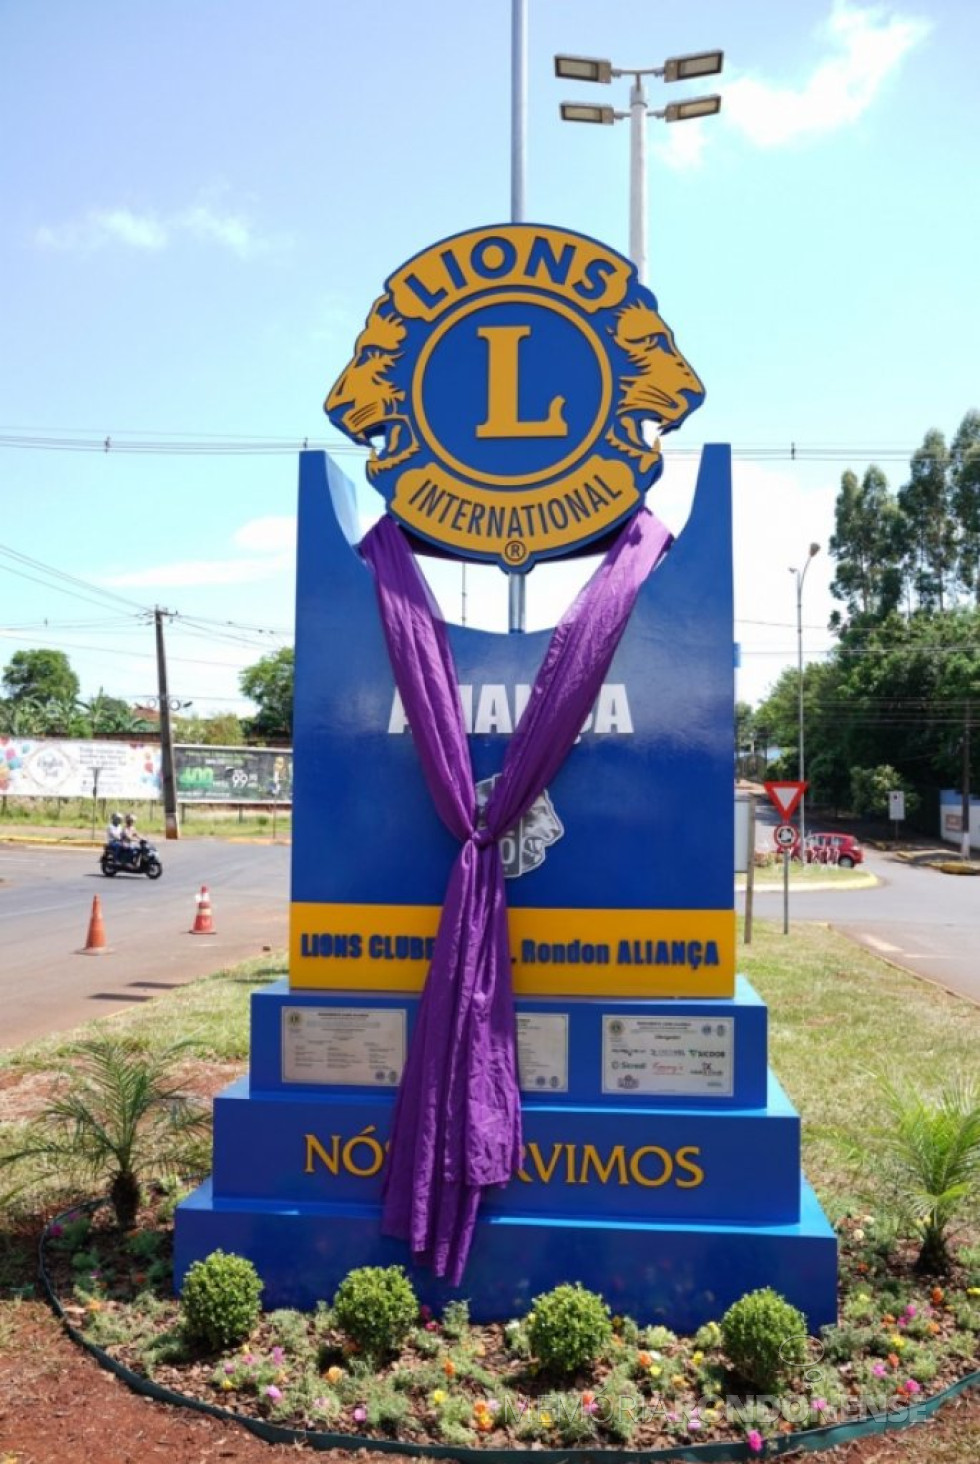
(46, 895)
(915, 917)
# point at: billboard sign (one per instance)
(51, 768)
(234, 774)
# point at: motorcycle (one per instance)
(124, 859)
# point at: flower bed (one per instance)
(901, 1339)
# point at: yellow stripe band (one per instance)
(641, 953)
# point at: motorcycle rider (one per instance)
(130, 840)
(114, 829)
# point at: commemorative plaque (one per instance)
(348, 1045)
(668, 1055)
(542, 1051)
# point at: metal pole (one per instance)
(516, 599)
(638, 178)
(518, 135)
(171, 822)
(799, 686)
(750, 875)
(965, 816)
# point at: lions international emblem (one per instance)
(522, 848)
(504, 382)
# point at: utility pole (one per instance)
(965, 816)
(166, 735)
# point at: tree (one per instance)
(928, 525)
(222, 730)
(964, 459)
(269, 683)
(865, 545)
(40, 676)
(105, 714)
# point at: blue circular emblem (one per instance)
(512, 384)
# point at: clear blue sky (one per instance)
(201, 200)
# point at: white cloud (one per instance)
(186, 572)
(869, 44)
(100, 228)
(270, 548)
(271, 535)
(681, 145)
(230, 230)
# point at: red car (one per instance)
(841, 849)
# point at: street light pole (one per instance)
(677, 68)
(516, 583)
(638, 178)
(800, 577)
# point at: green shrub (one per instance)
(764, 1338)
(568, 1328)
(220, 1299)
(376, 1307)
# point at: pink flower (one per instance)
(432, 1326)
(359, 1414)
(273, 1393)
(879, 1369)
(912, 1386)
(693, 1424)
(820, 1405)
(911, 1310)
(278, 1356)
(754, 1440)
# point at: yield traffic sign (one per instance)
(785, 796)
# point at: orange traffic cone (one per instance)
(203, 923)
(95, 941)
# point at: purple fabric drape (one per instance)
(457, 1121)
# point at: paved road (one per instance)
(45, 905)
(916, 917)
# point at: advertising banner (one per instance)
(48, 768)
(234, 774)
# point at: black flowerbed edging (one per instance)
(813, 1440)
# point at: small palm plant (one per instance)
(928, 1154)
(119, 1117)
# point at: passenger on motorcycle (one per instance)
(130, 840)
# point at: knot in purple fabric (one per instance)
(481, 837)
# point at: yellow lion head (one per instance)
(654, 382)
(366, 400)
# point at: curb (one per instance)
(814, 1440)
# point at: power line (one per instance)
(171, 444)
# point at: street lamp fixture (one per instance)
(583, 68)
(685, 68)
(583, 112)
(693, 107)
(676, 68)
(800, 577)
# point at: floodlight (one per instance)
(701, 63)
(693, 107)
(583, 112)
(583, 68)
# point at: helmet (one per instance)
(116, 818)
